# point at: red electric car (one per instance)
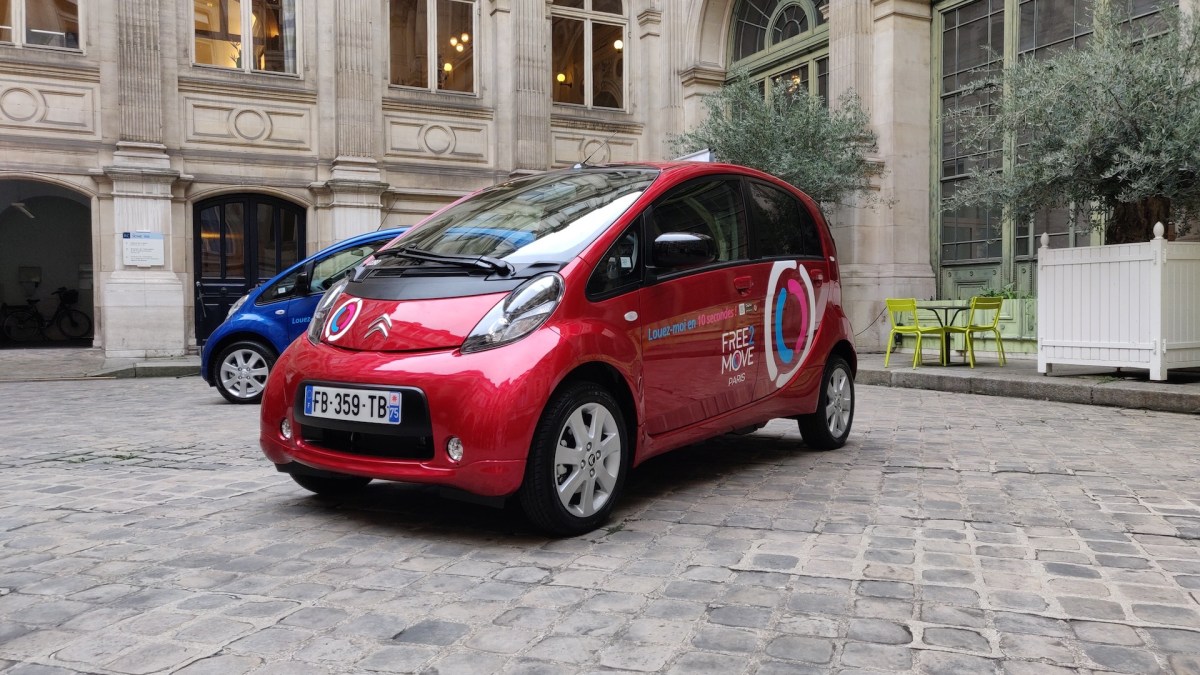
(542, 337)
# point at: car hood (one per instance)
(366, 324)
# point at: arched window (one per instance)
(782, 43)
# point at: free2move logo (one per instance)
(790, 320)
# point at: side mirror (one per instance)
(684, 249)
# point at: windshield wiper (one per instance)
(481, 261)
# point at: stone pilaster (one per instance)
(144, 306)
(880, 49)
(659, 87)
(356, 182)
(531, 26)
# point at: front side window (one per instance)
(712, 208)
(40, 23)
(587, 53)
(326, 272)
(248, 35)
(620, 269)
(433, 44)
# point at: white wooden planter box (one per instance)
(1122, 305)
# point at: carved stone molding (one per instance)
(571, 148)
(703, 75)
(48, 108)
(447, 139)
(242, 122)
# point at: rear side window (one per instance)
(710, 207)
(783, 225)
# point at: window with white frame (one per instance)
(433, 44)
(588, 53)
(248, 35)
(40, 23)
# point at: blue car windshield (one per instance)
(544, 218)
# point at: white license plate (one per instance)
(358, 405)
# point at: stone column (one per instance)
(143, 301)
(880, 49)
(356, 182)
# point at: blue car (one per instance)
(239, 354)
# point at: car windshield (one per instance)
(544, 218)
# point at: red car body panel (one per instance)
(694, 361)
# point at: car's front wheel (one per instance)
(829, 427)
(242, 370)
(577, 462)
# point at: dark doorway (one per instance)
(45, 265)
(241, 241)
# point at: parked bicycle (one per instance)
(26, 323)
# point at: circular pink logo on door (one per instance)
(790, 320)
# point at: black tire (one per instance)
(829, 427)
(596, 483)
(74, 324)
(22, 326)
(330, 486)
(241, 369)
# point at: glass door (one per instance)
(240, 241)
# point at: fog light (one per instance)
(454, 448)
(285, 429)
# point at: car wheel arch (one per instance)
(845, 350)
(609, 377)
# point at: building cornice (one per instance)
(704, 75)
(195, 85)
(55, 71)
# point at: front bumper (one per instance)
(491, 401)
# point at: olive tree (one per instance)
(1110, 129)
(790, 134)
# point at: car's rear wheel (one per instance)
(577, 462)
(331, 486)
(241, 371)
(829, 427)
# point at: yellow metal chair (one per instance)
(978, 324)
(898, 308)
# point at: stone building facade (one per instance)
(162, 156)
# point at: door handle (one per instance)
(818, 276)
(743, 285)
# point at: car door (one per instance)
(793, 273)
(700, 338)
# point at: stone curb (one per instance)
(1141, 395)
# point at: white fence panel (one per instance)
(1125, 305)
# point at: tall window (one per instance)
(782, 43)
(973, 37)
(40, 23)
(249, 35)
(433, 50)
(972, 48)
(588, 53)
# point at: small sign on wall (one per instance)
(142, 249)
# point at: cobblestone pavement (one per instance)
(141, 531)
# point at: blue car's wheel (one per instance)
(241, 371)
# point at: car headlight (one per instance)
(518, 314)
(322, 311)
(237, 304)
